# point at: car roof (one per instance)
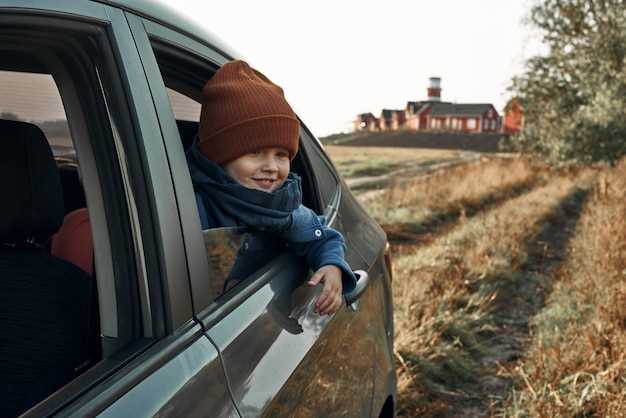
(164, 14)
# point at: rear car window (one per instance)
(33, 97)
(61, 219)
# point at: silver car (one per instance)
(112, 299)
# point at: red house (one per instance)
(433, 114)
(418, 115)
(366, 122)
(385, 122)
(513, 116)
(398, 119)
(479, 117)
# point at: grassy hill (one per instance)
(483, 142)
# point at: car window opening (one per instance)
(182, 76)
(52, 269)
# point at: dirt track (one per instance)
(476, 249)
(517, 293)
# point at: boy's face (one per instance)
(264, 170)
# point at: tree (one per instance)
(575, 96)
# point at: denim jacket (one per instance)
(223, 202)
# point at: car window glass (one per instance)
(34, 98)
(51, 325)
(184, 108)
(29, 101)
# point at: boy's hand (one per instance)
(331, 299)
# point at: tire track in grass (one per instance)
(519, 297)
(440, 223)
(425, 208)
(445, 318)
(371, 187)
(574, 363)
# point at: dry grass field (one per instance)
(373, 161)
(509, 284)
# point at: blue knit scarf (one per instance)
(228, 203)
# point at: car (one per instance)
(113, 298)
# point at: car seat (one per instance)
(48, 309)
(73, 194)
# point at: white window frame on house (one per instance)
(471, 123)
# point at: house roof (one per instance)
(461, 109)
(412, 104)
(418, 106)
(423, 107)
(366, 115)
(388, 113)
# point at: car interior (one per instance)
(49, 320)
(49, 298)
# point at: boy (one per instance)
(240, 168)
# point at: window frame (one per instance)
(124, 194)
(312, 146)
(89, 126)
(87, 119)
(144, 31)
(148, 35)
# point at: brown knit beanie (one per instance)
(242, 112)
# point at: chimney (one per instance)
(434, 90)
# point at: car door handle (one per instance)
(362, 280)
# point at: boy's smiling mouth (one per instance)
(264, 182)
(265, 170)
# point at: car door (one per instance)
(156, 359)
(367, 248)
(279, 357)
(180, 375)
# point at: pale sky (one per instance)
(335, 59)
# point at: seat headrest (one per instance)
(29, 184)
